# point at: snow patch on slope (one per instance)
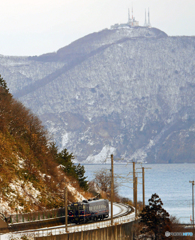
(76, 194)
(27, 187)
(101, 157)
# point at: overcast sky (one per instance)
(34, 27)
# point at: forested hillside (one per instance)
(33, 173)
(126, 91)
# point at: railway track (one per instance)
(56, 225)
(125, 209)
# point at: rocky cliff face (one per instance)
(127, 91)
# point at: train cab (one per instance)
(88, 210)
(78, 212)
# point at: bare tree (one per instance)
(102, 184)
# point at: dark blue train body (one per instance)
(88, 210)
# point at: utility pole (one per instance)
(112, 188)
(143, 187)
(66, 212)
(192, 182)
(143, 184)
(134, 183)
(135, 197)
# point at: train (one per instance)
(88, 210)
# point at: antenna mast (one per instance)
(149, 24)
(145, 24)
(129, 19)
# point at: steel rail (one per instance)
(106, 221)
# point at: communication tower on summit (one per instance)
(132, 22)
(147, 23)
(129, 18)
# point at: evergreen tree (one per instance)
(155, 218)
(3, 84)
(65, 159)
(80, 171)
(53, 150)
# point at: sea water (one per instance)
(169, 181)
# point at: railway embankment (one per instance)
(122, 223)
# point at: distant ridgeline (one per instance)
(127, 91)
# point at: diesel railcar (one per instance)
(88, 210)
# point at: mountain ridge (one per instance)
(78, 45)
(121, 96)
(71, 63)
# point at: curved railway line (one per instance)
(56, 226)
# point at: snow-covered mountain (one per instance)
(127, 91)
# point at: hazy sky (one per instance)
(34, 27)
